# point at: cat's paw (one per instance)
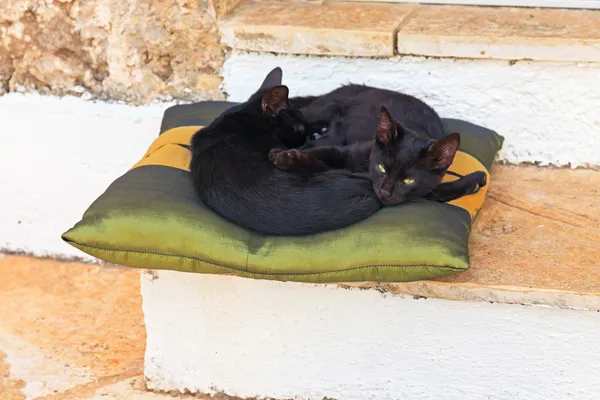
(285, 159)
(273, 154)
(480, 181)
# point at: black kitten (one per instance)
(406, 158)
(233, 175)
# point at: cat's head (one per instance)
(288, 124)
(404, 165)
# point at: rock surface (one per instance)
(132, 50)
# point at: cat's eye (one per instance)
(381, 168)
(409, 181)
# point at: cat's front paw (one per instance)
(480, 181)
(273, 154)
(285, 159)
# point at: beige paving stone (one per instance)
(9, 388)
(535, 241)
(540, 228)
(502, 33)
(336, 28)
(63, 325)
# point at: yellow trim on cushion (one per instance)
(169, 155)
(465, 164)
(182, 135)
(166, 151)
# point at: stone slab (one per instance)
(502, 33)
(67, 329)
(535, 241)
(336, 28)
(363, 29)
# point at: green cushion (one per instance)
(151, 218)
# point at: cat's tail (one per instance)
(290, 205)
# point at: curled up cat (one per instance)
(233, 175)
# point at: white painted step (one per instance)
(247, 338)
(57, 155)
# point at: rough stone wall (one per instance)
(132, 50)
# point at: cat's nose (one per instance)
(386, 194)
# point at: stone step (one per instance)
(369, 29)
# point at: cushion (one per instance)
(151, 218)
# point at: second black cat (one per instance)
(406, 157)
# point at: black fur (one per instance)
(233, 175)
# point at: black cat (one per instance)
(406, 158)
(233, 175)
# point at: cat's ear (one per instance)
(441, 153)
(386, 129)
(273, 78)
(275, 100)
